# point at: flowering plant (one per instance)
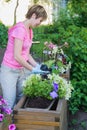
(4, 111)
(52, 87)
(53, 50)
(57, 60)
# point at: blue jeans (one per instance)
(12, 83)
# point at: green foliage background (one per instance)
(3, 35)
(75, 33)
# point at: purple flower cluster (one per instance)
(3, 111)
(54, 94)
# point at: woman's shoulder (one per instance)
(17, 27)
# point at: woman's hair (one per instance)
(38, 10)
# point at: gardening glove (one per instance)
(39, 71)
(38, 66)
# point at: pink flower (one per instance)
(1, 117)
(3, 101)
(5, 111)
(12, 127)
(8, 111)
(51, 45)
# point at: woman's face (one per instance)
(36, 21)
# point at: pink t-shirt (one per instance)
(18, 31)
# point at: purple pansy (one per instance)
(55, 85)
(12, 127)
(53, 94)
(1, 117)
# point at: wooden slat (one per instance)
(34, 127)
(36, 113)
(38, 123)
(32, 117)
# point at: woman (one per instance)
(17, 62)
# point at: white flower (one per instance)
(61, 51)
(29, 79)
(62, 69)
(55, 49)
(68, 66)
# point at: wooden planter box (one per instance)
(41, 119)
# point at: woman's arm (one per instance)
(17, 54)
(32, 61)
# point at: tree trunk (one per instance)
(15, 11)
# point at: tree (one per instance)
(17, 3)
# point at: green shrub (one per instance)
(3, 35)
(77, 53)
(71, 30)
